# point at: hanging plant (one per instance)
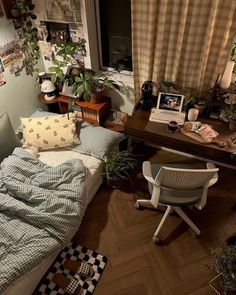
(30, 46)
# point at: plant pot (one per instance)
(232, 125)
(96, 97)
(200, 108)
(114, 181)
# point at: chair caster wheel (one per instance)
(156, 240)
(137, 206)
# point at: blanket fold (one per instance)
(41, 208)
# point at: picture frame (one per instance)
(67, 90)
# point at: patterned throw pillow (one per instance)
(49, 132)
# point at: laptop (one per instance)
(169, 108)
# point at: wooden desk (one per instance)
(159, 136)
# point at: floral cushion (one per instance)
(49, 132)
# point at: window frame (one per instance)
(99, 42)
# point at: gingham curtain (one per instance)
(183, 41)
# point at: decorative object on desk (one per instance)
(215, 112)
(49, 89)
(116, 120)
(118, 166)
(200, 104)
(202, 133)
(191, 95)
(231, 99)
(67, 90)
(173, 126)
(230, 113)
(232, 141)
(146, 96)
(227, 76)
(192, 114)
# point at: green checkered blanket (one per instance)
(41, 207)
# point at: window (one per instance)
(114, 34)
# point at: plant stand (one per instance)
(215, 284)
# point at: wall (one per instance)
(18, 97)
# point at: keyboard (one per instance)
(166, 116)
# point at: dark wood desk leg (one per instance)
(129, 146)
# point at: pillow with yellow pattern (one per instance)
(49, 132)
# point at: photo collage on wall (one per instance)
(56, 20)
(2, 78)
(61, 22)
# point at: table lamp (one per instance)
(48, 88)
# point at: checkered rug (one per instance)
(74, 252)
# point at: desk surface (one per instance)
(158, 135)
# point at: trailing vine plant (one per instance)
(30, 46)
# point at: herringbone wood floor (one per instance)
(137, 266)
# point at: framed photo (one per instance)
(67, 90)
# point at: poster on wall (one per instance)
(12, 57)
(2, 79)
(75, 5)
(1, 66)
(1, 10)
(59, 10)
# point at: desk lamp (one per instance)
(48, 88)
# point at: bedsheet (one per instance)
(41, 207)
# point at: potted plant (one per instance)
(118, 166)
(230, 113)
(23, 10)
(90, 87)
(224, 262)
(69, 56)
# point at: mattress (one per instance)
(93, 180)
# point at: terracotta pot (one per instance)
(232, 125)
(96, 97)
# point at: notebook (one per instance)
(169, 108)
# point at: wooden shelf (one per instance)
(93, 113)
(43, 100)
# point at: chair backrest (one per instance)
(184, 183)
(184, 179)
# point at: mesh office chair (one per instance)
(175, 186)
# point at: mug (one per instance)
(193, 114)
(173, 126)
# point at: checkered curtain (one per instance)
(184, 41)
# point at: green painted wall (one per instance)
(18, 97)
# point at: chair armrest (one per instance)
(147, 172)
(215, 178)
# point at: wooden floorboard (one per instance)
(136, 266)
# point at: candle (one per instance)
(193, 114)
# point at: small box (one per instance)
(116, 120)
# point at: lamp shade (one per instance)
(47, 86)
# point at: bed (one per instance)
(94, 143)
